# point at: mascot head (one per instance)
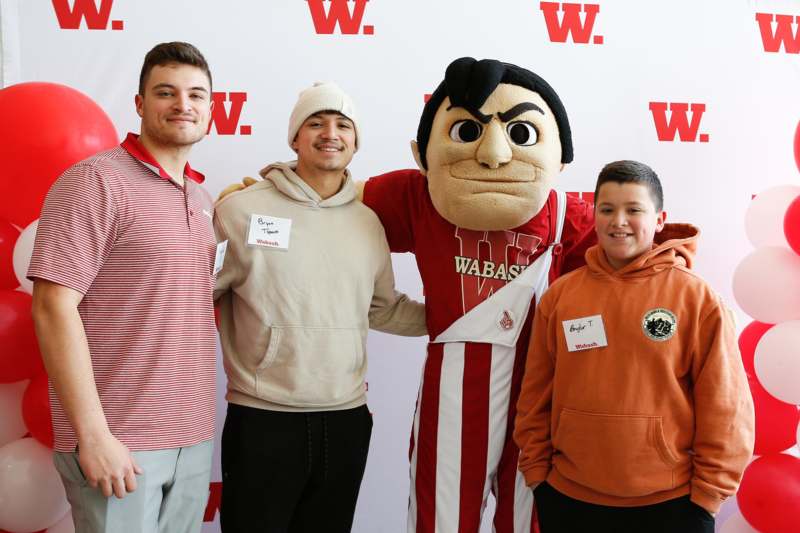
(491, 140)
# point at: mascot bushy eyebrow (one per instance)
(489, 234)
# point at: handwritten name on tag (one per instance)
(585, 333)
(269, 232)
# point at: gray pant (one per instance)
(170, 497)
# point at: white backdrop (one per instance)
(638, 53)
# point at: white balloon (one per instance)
(22, 255)
(766, 284)
(763, 220)
(777, 361)
(736, 524)
(65, 525)
(12, 426)
(31, 494)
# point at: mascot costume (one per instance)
(489, 234)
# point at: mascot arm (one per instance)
(532, 425)
(392, 196)
(579, 234)
(234, 187)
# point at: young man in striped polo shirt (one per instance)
(122, 270)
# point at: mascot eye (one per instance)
(465, 131)
(522, 133)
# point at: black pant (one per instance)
(559, 513)
(292, 472)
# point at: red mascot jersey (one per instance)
(461, 268)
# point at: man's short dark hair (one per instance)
(469, 82)
(174, 52)
(627, 171)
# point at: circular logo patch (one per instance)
(659, 324)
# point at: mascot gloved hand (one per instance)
(489, 234)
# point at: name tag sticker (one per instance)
(269, 232)
(585, 333)
(220, 258)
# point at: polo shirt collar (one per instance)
(136, 149)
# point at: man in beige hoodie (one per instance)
(307, 273)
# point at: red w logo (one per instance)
(339, 13)
(678, 121)
(226, 121)
(783, 34)
(214, 500)
(96, 18)
(571, 22)
(489, 260)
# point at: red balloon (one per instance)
(47, 127)
(8, 237)
(791, 225)
(748, 339)
(36, 410)
(776, 421)
(769, 497)
(19, 356)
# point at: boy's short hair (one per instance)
(627, 171)
(174, 52)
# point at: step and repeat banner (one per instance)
(705, 92)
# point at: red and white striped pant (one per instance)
(462, 445)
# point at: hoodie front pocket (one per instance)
(618, 455)
(311, 366)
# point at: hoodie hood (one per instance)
(673, 246)
(286, 180)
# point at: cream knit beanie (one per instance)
(322, 96)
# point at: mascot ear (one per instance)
(417, 158)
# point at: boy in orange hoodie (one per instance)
(635, 414)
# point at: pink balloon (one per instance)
(763, 220)
(777, 361)
(766, 284)
(65, 525)
(31, 494)
(791, 225)
(769, 496)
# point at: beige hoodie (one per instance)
(293, 323)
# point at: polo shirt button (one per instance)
(191, 212)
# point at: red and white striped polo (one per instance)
(141, 249)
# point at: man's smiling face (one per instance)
(496, 170)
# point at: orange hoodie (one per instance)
(662, 410)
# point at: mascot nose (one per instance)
(494, 150)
